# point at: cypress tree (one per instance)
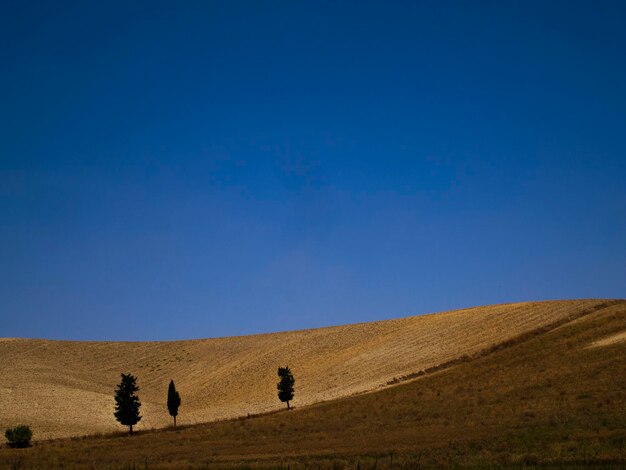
(173, 401)
(126, 402)
(285, 385)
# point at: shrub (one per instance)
(19, 436)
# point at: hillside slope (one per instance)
(556, 396)
(64, 388)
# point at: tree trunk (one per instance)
(288, 407)
(131, 429)
(174, 421)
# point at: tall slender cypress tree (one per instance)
(126, 402)
(285, 385)
(173, 401)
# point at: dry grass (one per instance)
(612, 339)
(65, 388)
(543, 398)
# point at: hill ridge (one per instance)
(302, 330)
(549, 400)
(65, 388)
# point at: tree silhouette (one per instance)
(126, 402)
(285, 385)
(173, 401)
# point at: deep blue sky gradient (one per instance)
(193, 169)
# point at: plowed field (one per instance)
(65, 388)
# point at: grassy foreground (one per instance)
(549, 399)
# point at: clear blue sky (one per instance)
(196, 169)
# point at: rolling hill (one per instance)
(65, 388)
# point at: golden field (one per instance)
(65, 388)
